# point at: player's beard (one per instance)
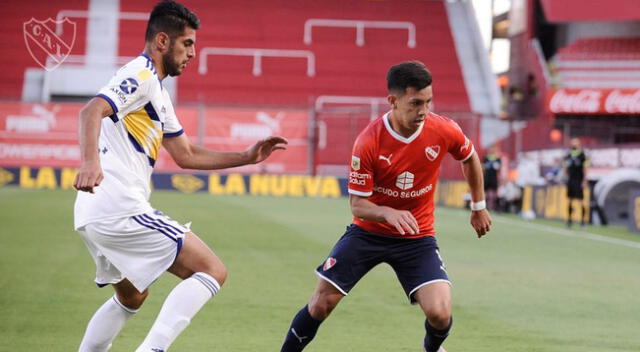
(171, 67)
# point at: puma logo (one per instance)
(300, 338)
(386, 158)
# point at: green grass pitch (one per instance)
(527, 286)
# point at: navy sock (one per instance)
(434, 337)
(302, 330)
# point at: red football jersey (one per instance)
(400, 172)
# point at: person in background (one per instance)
(492, 164)
(575, 163)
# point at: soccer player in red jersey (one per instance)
(394, 170)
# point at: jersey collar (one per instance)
(395, 134)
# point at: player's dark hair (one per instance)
(170, 17)
(408, 74)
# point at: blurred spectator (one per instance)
(575, 163)
(510, 196)
(528, 173)
(555, 173)
(492, 165)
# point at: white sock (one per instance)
(182, 304)
(105, 324)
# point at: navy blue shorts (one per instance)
(416, 261)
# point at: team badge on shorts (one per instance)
(329, 263)
(432, 152)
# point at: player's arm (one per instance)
(365, 209)
(480, 218)
(190, 156)
(90, 173)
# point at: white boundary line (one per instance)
(570, 233)
(561, 231)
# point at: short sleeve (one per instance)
(361, 169)
(172, 126)
(127, 89)
(460, 147)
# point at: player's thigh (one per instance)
(196, 256)
(417, 263)
(435, 300)
(351, 258)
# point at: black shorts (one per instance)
(574, 189)
(416, 261)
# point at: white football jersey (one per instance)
(129, 143)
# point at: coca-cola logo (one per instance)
(583, 101)
(618, 102)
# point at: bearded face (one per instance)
(181, 50)
(171, 65)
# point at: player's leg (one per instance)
(306, 323)
(351, 258)
(581, 212)
(569, 203)
(422, 274)
(203, 274)
(111, 317)
(435, 301)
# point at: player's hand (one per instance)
(481, 222)
(89, 176)
(402, 220)
(264, 147)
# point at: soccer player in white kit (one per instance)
(132, 244)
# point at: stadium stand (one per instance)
(279, 55)
(341, 66)
(610, 62)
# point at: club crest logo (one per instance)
(432, 152)
(355, 163)
(47, 47)
(329, 263)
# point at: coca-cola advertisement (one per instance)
(595, 101)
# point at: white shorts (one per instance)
(139, 248)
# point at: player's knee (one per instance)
(218, 271)
(439, 316)
(321, 306)
(134, 300)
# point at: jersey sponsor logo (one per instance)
(405, 180)
(404, 195)
(355, 162)
(386, 158)
(329, 263)
(121, 96)
(432, 152)
(129, 86)
(358, 178)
